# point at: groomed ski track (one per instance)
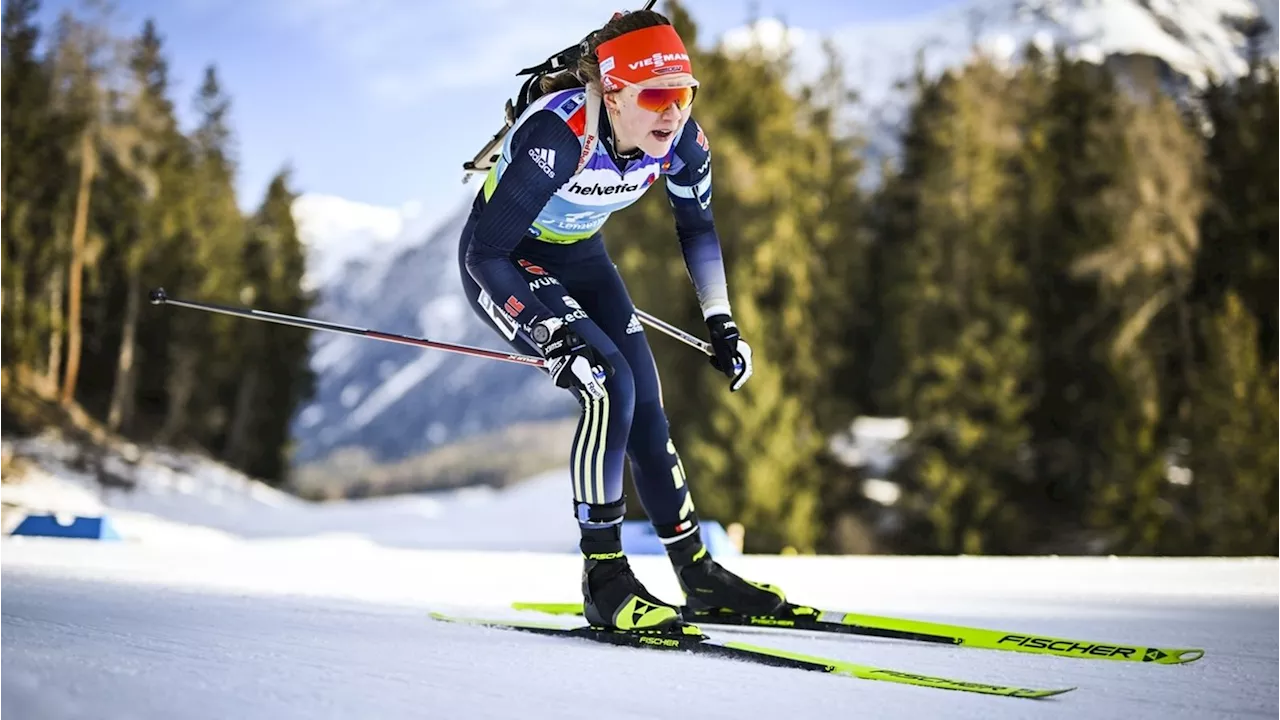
(339, 628)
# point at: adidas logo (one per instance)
(546, 159)
(633, 325)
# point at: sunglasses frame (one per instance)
(642, 88)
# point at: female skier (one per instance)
(534, 264)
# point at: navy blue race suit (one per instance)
(532, 250)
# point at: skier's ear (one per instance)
(613, 101)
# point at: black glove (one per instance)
(730, 354)
(571, 361)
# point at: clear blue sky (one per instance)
(380, 101)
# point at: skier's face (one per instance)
(648, 115)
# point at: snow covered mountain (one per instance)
(1194, 38)
(1190, 40)
(396, 269)
(395, 401)
(338, 231)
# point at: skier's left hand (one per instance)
(731, 354)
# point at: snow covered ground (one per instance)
(321, 612)
(287, 629)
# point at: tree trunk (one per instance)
(11, 333)
(1186, 347)
(9, 322)
(8, 326)
(15, 326)
(236, 453)
(78, 233)
(121, 412)
(181, 385)
(5, 320)
(22, 325)
(53, 368)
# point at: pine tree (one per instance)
(219, 238)
(835, 220)
(959, 306)
(274, 374)
(1226, 434)
(894, 219)
(1231, 483)
(157, 148)
(1072, 152)
(86, 67)
(202, 347)
(104, 196)
(1144, 277)
(31, 190)
(1240, 222)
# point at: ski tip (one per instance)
(1182, 657)
(498, 623)
(1039, 694)
(1170, 656)
(549, 608)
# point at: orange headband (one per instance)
(642, 54)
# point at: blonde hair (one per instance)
(588, 69)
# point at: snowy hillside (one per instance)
(183, 499)
(397, 401)
(295, 611)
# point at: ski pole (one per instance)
(160, 297)
(674, 332)
(682, 336)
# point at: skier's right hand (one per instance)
(572, 362)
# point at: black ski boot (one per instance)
(612, 596)
(707, 585)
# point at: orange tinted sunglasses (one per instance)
(658, 99)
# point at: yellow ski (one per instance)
(799, 617)
(691, 639)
